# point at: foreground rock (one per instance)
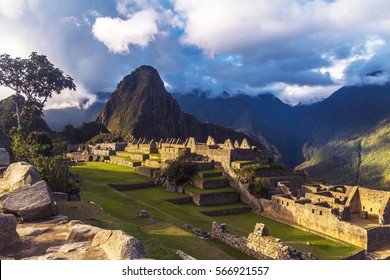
(55, 239)
(30, 202)
(19, 174)
(119, 245)
(8, 234)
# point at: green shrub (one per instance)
(37, 149)
(180, 171)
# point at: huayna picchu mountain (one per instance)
(141, 107)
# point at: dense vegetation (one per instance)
(180, 171)
(39, 149)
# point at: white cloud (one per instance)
(294, 94)
(81, 98)
(117, 34)
(12, 8)
(222, 26)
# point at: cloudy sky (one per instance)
(300, 50)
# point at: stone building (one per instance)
(353, 214)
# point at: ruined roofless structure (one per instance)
(353, 214)
(172, 148)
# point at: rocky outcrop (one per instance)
(8, 234)
(82, 232)
(19, 174)
(30, 202)
(57, 239)
(118, 245)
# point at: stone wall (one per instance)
(214, 199)
(149, 148)
(220, 155)
(259, 244)
(375, 202)
(138, 157)
(139, 186)
(317, 218)
(79, 157)
(183, 200)
(97, 152)
(169, 153)
(148, 172)
(224, 212)
(153, 163)
(112, 146)
(219, 232)
(124, 162)
(245, 195)
(210, 184)
(377, 237)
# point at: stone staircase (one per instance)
(211, 188)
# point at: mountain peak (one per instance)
(141, 107)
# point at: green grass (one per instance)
(121, 212)
(156, 155)
(162, 234)
(321, 247)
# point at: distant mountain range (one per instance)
(342, 139)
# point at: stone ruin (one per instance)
(353, 214)
(259, 244)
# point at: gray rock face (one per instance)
(118, 245)
(20, 174)
(81, 232)
(30, 202)
(8, 234)
(4, 157)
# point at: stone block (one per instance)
(119, 245)
(8, 234)
(20, 174)
(30, 202)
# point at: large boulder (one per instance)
(20, 174)
(118, 245)
(8, 234)
(30, 202)
(82, 232)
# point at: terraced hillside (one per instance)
(163, 232)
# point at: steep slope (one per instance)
(264, 117)
(349, 137)
(343, 139)
(141, 107)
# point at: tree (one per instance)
(35, 79)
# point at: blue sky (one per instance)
(300, 50)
